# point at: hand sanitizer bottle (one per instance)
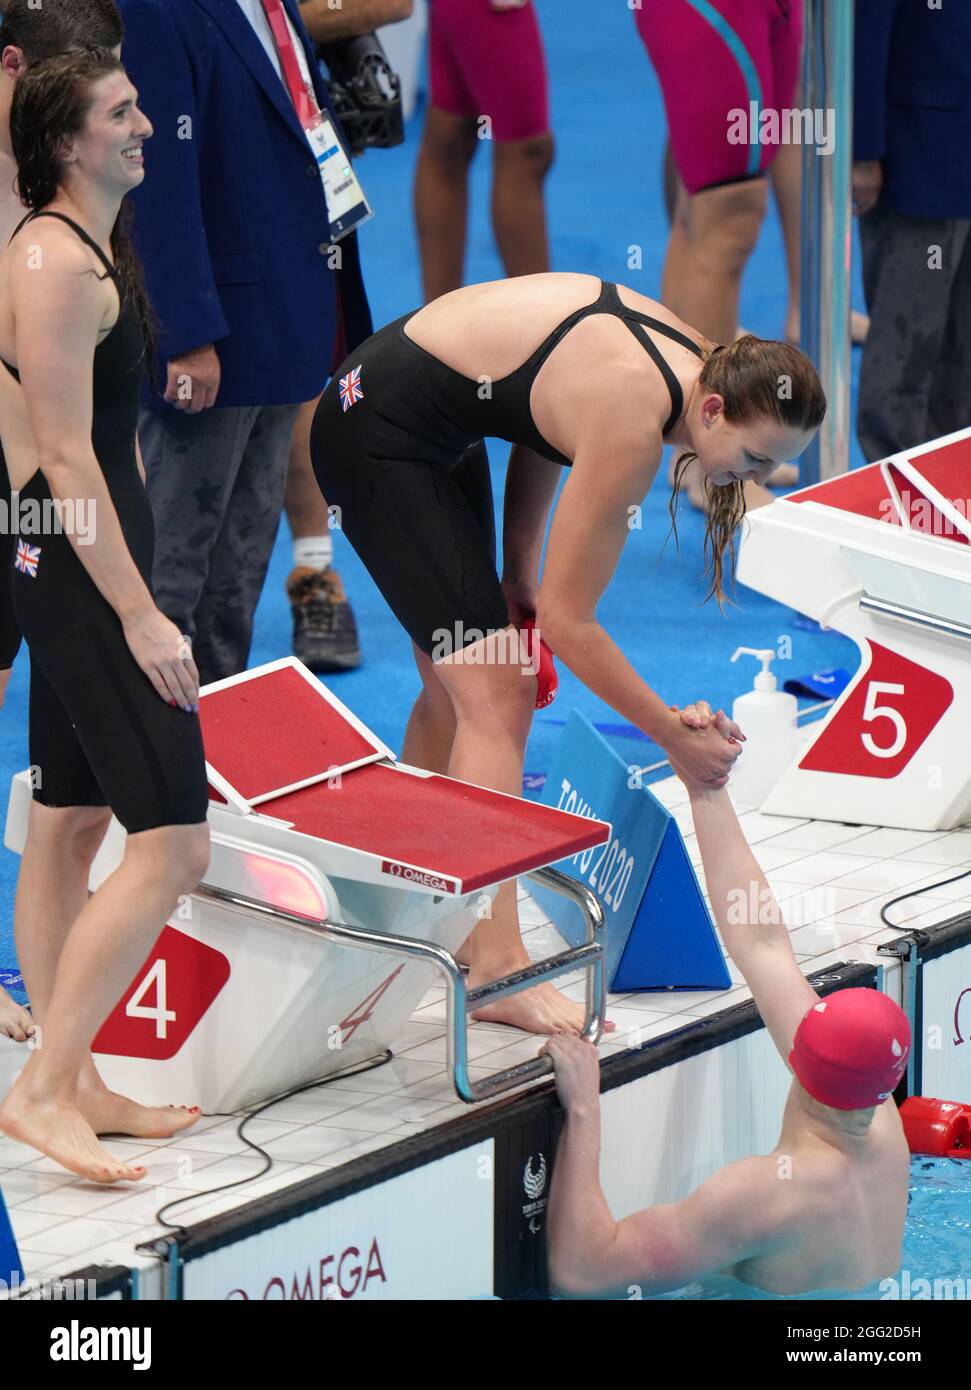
(767, 717)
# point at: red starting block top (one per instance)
(277, 728)
(276, 737)
(446, 828)
(863, 492)
(928, 487)
(947, 469)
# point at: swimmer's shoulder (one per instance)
(754, 1200)
(47, 263)
(48, 243)
(653, 308)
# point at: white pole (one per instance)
(827, 228)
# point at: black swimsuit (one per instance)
(99, 733)
(9, 630)
(397, 447)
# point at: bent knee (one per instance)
(196, 850)
(87, 834)
(69, 832)
(492, 682)
(177, 855)
(533, 156)
(449, 139)
(726, 221)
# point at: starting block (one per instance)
(882, 554)
(340, 884)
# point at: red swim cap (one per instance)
(542, 661)
(851, 1048)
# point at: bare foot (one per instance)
(542, 1009)
(107, 1112)
(15, 1022)
(60, 1131)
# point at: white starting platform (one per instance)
(882, 554)
(340, 884)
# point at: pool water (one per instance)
(936, 1261)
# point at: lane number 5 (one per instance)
(872, 710)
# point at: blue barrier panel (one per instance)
(11, 1270)
(659, 931)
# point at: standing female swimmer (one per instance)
(570, 371)
(113, 690)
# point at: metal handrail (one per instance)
(460, 999)
(915, 617)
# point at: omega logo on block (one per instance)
(390, 866)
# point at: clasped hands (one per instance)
(702, 745)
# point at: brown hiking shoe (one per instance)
(324, 631)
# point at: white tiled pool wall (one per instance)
(834, 879)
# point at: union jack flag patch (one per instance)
(28, 558)
(351, 389)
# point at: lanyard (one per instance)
(308, 113)
(344, 198)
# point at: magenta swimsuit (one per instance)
(489, 62)
(713, 58)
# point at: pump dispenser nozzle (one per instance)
(765, 680)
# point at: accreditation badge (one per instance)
(347, 207)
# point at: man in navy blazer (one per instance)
(912, 189)
(231, 223)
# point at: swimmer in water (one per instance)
(837, 1220)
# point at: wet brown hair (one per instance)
(50, 105)
(757, 378)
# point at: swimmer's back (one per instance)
(572, 373)
(843, 1215)
(492, 328)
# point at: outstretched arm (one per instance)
(729, 1218)
(606, 486)
(745, 908)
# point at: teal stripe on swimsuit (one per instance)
(742, 57)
